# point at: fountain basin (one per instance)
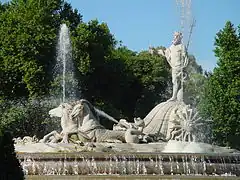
(100, 163)
(171, 146)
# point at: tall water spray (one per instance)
(186, 25)
(186, 19)
(64, 66)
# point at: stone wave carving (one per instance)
(158, 120)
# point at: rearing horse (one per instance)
(67, 124)
(82, 118)
(78, 117)
(87, 118)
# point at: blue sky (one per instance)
(141, 23)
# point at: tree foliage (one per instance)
(221, 100)
(28, 38)
(92, 47)
(28, 34)
(117, 76)
(28, 117)
(194, 83)
(153, 75)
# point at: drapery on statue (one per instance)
(176, 56)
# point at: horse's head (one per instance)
(84, 114)
(60, 110)
(77, 110)
(83, 108)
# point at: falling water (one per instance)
(64, 66)
(135, 164)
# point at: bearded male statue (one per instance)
(176, 56)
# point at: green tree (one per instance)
(221, 101)
(117, 77)
(193, 88)
(126, 86)
(28, 38)
(92, 47)
(28, 117)
(194, 82)
(151, 73)
(28, 33)
(193, 67)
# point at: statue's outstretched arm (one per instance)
(166, 53)
(168, 56)
(161, 52)
(153, 50)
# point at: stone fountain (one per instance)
(163, 143)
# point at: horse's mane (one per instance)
(96, 112)
(91, 107)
